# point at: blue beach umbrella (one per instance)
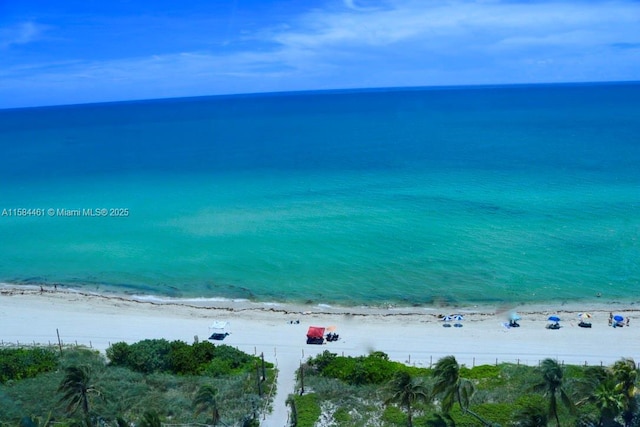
(458, 318)
(554, 318)
(446, 320)
(618, 318)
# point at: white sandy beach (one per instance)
(414, 336)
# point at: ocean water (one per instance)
(482, 195)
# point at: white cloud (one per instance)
(436, 21)
(365, 44)
(22, 33)
(360, 5)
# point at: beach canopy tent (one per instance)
(218, 330)
(315, 332)
(219, 324)
(315, 335)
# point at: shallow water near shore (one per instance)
(501, 195)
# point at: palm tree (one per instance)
(76, 388)
(453, 388)
(532, 416)
(206, 400)
(609, 402)
(604, 388)
(405, 391)
(551, 385)
(626, 376)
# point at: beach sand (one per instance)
(414, 336)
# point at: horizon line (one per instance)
(334, 91)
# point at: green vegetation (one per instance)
(21, 363)
(157, 382)
(207, 400)
(452, 388)
(144, 384)
(406, 391)
(305, 410)
(376, 368)
(76, 388)
(180, 358)
(551, 385)
(371, 390)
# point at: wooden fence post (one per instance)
(59, 342)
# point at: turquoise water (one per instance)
(462, 195)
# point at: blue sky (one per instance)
(77, 51)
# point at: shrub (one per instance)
(321, 361)
(181, 359)
(372, 369)
(118, 354)
(178, 357)
(236, 358)
(20, 363)
(394, 416)
(342, 415)
(307, 410)
(480, 372)
(217, 368)
(128, 394)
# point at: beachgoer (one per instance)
(41, 289)
(610, 318)
(627, 321)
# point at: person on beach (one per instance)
(610, 318)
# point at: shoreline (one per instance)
(413, 336)
(596, 304)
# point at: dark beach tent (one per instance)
(315, 335)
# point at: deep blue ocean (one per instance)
(511, 194)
